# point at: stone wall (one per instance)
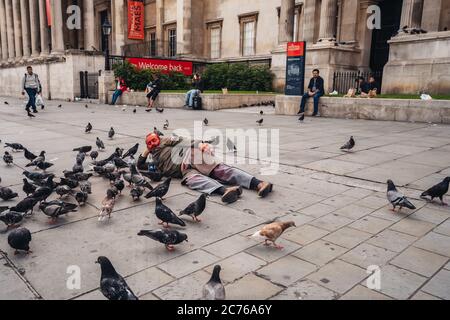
(435, 111)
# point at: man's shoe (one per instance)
(35, 111)
(300, 112)
(264, 189)
(231, 195)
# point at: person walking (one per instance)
(315, 91)
(32, 86)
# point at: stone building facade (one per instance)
(253, 31)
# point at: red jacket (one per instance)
(122, 86)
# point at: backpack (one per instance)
(197, 103)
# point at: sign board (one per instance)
(164, 66)
(136, 19)
(48, 10)
(295, 69)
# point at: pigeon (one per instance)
(94, 155)
(42, 193)
(88, 128)
(214, 289)
(166, 125)
(107, 206)
(169, 238)
(397, 199)
(260, 122)
(231, 146)
(86, 187)
(349, 145)
(153, 175)
(80, 176)
(30, 115)
(72, 184)
(206, 122)
(28, 188)
(138, 180)
(111, 133)
(86, 106)
(8, 158)
(261, 113)
(120, 185)
(11, 218)
(136, 193)
(195, 209)
(100, 144)
(14, 146)
(120, 163)
(29, 155)
(132, 151)
(55, 209)
(78, 167)
(80, 157)
(37, 177)
(84, 149)
(166, 215)
(44, 165)
(214, 141)
(81, 197)
(60, 106)
(273, 231)
(134, 110)
(62, 191)
(160, 191)
(112, 284)
(438, 191)
(7, 194)
(6, 103)
(157, 132)
(19, 240)
(302, 118)
(25, 206)
(37, 160)
(159, 110)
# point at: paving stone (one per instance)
(339, 201)
(366, 255)
(444, 228)
(358, 193)
(338, 276)
(447, 266)
(189, 287)
(347, 237)
(237, 266)
(419, 261)
(370, 224)
(306, 290)
(229, 246)
(363, 293)
(335, 166)
(300, 219)
(305, 234)
(13, 287)
(386, 214)
(392, 240)
(372, 202)
(188, 263)
(146, 281)
(432, 215)
(319, 252)
(439, 285)
(331, 222)
(424, 296)
(413, 227)
(148, 296)
(436, 243)
(286, 271)
(95, 295)
(318, 210)
(261, 289)
(271, 253)
(353, 211)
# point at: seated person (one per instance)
(153, 89)
(373, 87)
(194, 162)
(362, 87)
(121, 87)
(197, 88)
(315, 91)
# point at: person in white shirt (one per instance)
(32, 86)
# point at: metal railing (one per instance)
(343, 81)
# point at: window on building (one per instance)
(153, 43)
(215, 33)
(248, 38)
(172, 42)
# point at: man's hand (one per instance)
(206, 148)
(311, 94)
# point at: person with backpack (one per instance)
(153, 90)
(194, 93)
(32, 86)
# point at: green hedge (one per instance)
(137, 79)
(238, 77)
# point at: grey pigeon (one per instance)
(84, 149)
(136, 193)
(160, 191)
(88, 128)
(56, 208)
(113, 285)
(206, 122)
(214, 289)
(132, 151)
(19, 240)
(94, 155)
(81, 197)
(29, 155)
(14, 146)
(8, 158)
(397, 199)
(260, 122)
(349, 145)
(111, 133)
(11, 218)
(231, 146)
(166, 215)
(7, 194)
(195, 209)
(438, 191)
(169, 238)
(100, 144)
(28, 188)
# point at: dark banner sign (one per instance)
(295, 69)
(136, 20)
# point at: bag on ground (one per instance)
(39, 101)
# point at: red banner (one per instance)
(136, 19)
(296, 49)
(164, 66)
(48, 9)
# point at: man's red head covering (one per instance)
(152, 141)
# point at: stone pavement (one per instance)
(337, 201)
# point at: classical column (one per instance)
(286, 25)
(159, 27)
(10, 30)
(119, 26)
(34, 26)
(184, 26)
(57, 27)
(89, 24)
(3, 31)
(45, 50)
(17, 28)
(349, 21)
(309, 21)
(430, 18)
(25, 14)
(411, 15)
(328, 20)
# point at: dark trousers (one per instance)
(316, 98)
(31, 98)
(116, 96)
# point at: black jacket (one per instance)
(198, 85)
(319, 84)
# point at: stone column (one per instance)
(119, 26)
(349, 21)
(159, 27)
(411, 14)
(430, 21)
(3, 31)
(89, 24)
(286, 25)
(17, 28)
(45, 50)
(364, 36)
(25, 15)
(328, 20)
(34, 27)
(57, 27)
(184, 26)
(309, 21)
(10, 30)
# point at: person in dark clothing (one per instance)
(315, 91)
(373, 85)
(153, 91)
(32, 86)
(363, 87)
(197, 89)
